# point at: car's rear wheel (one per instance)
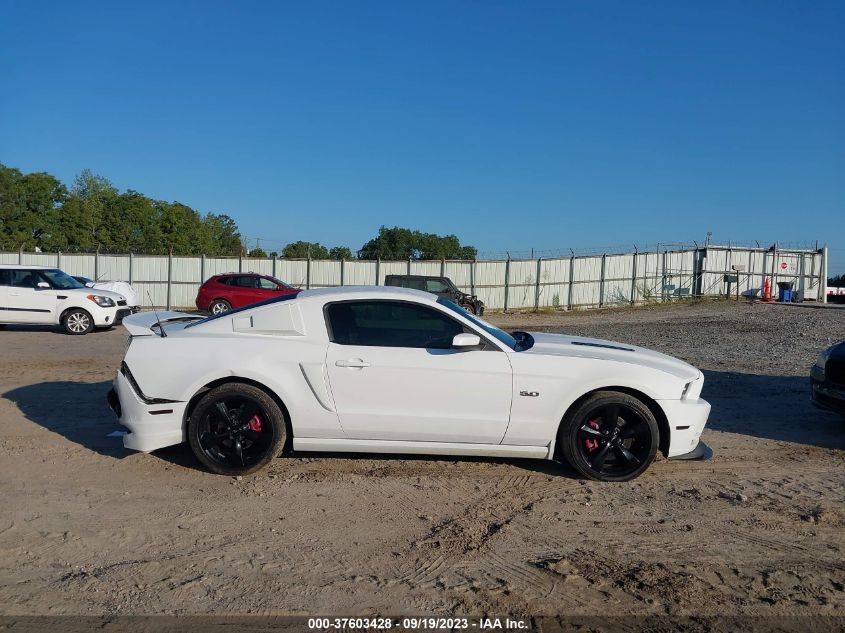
(219, 306)
(236, 429)
(610, 436)
(77, 321)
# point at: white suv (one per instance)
(49, 296)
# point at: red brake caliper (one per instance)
(255, 424)
(590, 443)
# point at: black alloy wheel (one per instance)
(610, 437)
(236, 429)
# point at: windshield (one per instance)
(248, 307)
(492, 330)
(60, 280)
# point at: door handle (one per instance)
(357, 363)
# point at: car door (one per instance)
(242, 290)
(394, 375)
(27, 303)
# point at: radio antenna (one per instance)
(158, 321)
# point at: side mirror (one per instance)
(42, 285)
(466, 341)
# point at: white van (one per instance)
(48, 296)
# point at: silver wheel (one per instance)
(219, 307)
(78, 322)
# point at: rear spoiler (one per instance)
(147, 323)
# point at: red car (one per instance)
(235, 290)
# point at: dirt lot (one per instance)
(89, 528)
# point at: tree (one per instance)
(836, 281)
(222, 235)
(258, 252)
(302, 250)
(28, 208)
(401, 243)
(340, 252)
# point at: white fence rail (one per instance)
(568, 282)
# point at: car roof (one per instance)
(348, 293)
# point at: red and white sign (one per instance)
(784, 265)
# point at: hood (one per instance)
(115, 296)
(581, 347)
(120, 287)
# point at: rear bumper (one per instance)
(151, 425)
(686, 422)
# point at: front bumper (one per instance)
(826, 395)
(152, 424)
(686, 418)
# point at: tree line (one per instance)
(38, 212)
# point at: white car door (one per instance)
(27, 303)
(394, 376)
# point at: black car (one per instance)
(827, 379)
(441, 286)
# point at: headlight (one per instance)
(103, 302)
(822, 359)
(692, 390)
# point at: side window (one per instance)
(265, 284)
(242, 282)
(5, 277)
(414, 283)
(391, 324)
(436, 285)
(24, 278)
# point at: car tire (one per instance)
(250, 435)
(77, 322)
(610, 436)
(219, 306)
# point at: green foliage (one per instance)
(36, 210)
(258, 252)
(303, 250)
(400, 243)
(340, 252)
(837, 281)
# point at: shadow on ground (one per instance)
(770, 407)
(75, 410)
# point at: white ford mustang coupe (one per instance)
(393, 370)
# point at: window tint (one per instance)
(5, 277)
(242, 282)
(416, 284)
(265, 284)
(391, 324)
(436, 285)
(24, 278)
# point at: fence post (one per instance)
(308, 272)
(634, 280)
(537, 286)
(378, 270)
(342, 267)
(275, 257)
(97, 264)
(472, 277)
(663, 277)
(507, 280)
(409, 265)
(59, 259)
(571, 281)
(20, 255)
(241, 261)
(601, 280)
(443, 267)
(131, 258)
(169, 276)
(823, 275)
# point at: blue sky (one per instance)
(515, 125)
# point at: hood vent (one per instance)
(604, 345)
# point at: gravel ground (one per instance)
(89, 528)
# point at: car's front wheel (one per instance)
(77, 321)
(219, 306)
(236, 429)
(610, 436)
